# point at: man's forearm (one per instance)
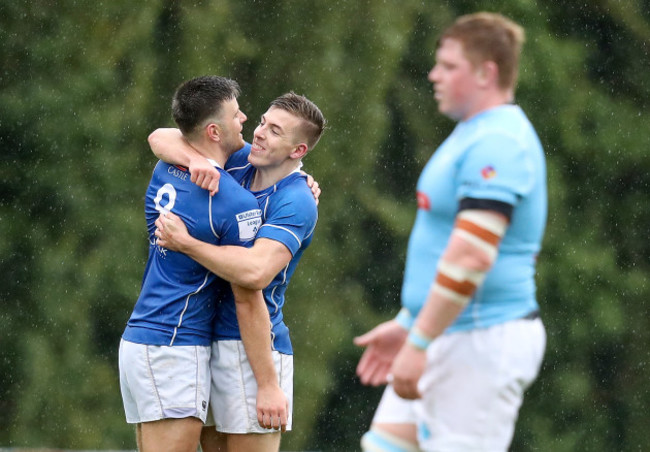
(255, 329)
(253, 268)
(231, 263)
(170, 146)
(470, 254)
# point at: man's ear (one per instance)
(488, 73)
(214, 132)
(299, 152)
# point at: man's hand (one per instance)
(171, 232)
(383, 343)
(272, 407)
(204, 174)
(407, 370)
(315, 186)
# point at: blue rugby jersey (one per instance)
(289, 216)
(495, 155)
(178, 298)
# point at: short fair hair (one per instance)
(490, 37)
(201, 99)
(313, 120)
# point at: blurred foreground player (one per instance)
(468, 340)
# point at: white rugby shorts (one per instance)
(474, 384)
(233, 394)
(160, 382)
(393, 409)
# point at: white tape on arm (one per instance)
(483, 231)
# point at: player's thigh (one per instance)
(254, 442)
(171, 435)
(474, 383)
(212, 440)
(138, 436)
(233, 395)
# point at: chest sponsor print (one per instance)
(249, 223)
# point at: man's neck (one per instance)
(494, 99)
(210, 151)
(265, 177)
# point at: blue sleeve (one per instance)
(496, 167)
(236, 216)
(291, 217)
(239, 159)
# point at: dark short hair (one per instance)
(201, 98)
(313, 120)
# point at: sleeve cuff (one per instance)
(405, 319)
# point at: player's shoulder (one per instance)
(294, 188)
(507, 123)
(230, 191)
(239, 159)
(177, 175)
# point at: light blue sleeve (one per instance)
(496, 167)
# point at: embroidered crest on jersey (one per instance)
(423, 201)
(249, 223)
(488, 172)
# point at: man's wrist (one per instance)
(270, 383)
(418, 339)
(187, 245)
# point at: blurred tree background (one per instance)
(83, 83)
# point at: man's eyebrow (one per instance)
(273, 124)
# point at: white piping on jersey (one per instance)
(283, 229)
(266, 201)
(283, 283)
(273, 343)
(210, 217)
(238, 168)
(187, 302)
(311, 232)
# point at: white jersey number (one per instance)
(170, 191)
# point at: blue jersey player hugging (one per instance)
(270, 168)
(164, 355)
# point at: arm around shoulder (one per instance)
(257, 266)
(168, 145)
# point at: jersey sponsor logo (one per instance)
(423, 201)
(162, 252)
(178, 172)
(249, 214)
(249, 223)
(488, 172)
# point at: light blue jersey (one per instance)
(495, 155)
(178, 298)
(289, 216)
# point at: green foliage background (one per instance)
(83, 83)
